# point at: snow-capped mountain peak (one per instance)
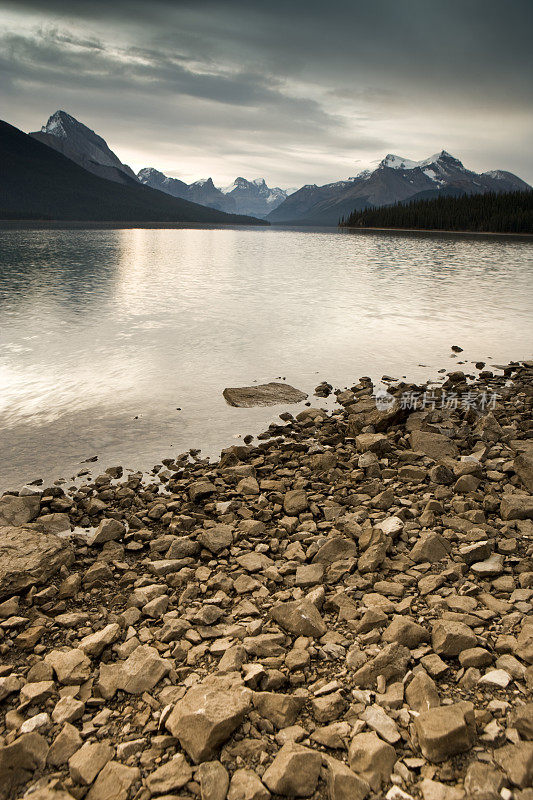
(75, 140)
(397, 162)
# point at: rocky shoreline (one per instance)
(342, 610)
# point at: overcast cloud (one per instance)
(297, 92)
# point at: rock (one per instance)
(87, 762)
(217, 538)
(483, 782)
(521, 718)
(381, 723)
(113, 782)
(391, 662)
(29, 558)
(421, 693)
(208, 714)
(489, 568)
(371, 759)
(214, 780)
(496, 677)
(523, 466)
(516, 506)
(70, 666)
(449, 638)
(16, 511)
(95, 643)
(445, 731)
(295, 502)
(301, 618)
(246, 785)
(430, 547)
(281, 709)
(406, 632)
(174, 774)
(263, 394)
(294, 771)
(328, 707)
(68, 709)
(433, 790)
(19, 760)
(342, 783)
(201, 490)
(108, 530)
(141, 671)
(334, 549)
(435, 445)
(516, 760)
(66, 743)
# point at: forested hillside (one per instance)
(509, 212)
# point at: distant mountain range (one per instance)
(82, 145)
(395, 179)
(38, 182)
(242, 197)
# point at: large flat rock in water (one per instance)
(264, 394)
(28, 557)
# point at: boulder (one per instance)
(516, 506)
(281, 709)
(449, 638)
(214, 780)
(16, 511)
(342, 783)
(264, 394)
(391, 662)
(29, 558)
(516, 760)
(435, 445)
(300, 618)
(445, 731)
(113, 782)
(247, 785)
(208, 714)
(19, 760)
(87, 762)
(170, 776)
(294, 771)
(523, 466)
(371, 759)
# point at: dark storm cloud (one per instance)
(336, 82)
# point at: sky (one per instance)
(296, 92)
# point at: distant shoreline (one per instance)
(436, 230)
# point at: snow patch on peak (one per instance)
(397, 162)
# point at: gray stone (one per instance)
(445, 731)
(264, 394)
(208, 714)
(29, 558)
(371, 759)
(294, 771)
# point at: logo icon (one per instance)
(384, 400)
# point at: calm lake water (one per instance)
(104, 334)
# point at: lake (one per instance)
(106, 333)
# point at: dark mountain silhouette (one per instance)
(37, 182)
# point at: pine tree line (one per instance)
(507, 212)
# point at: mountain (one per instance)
(254, 197)
(241, 197)
(156, 180)
(82, 145)
(395, 179)
(205, 192)
(38, 182)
